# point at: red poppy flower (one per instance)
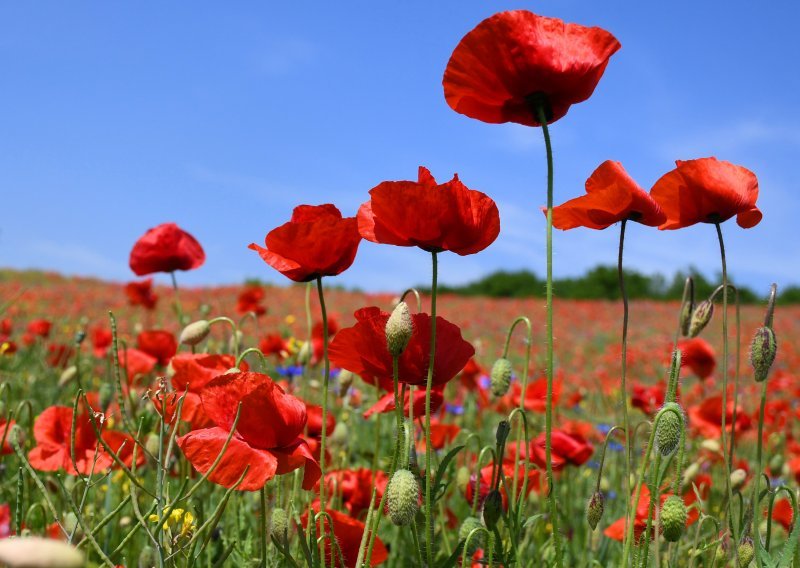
(314, 423)
(707, 190)
(141, 294)
(348, 533)
(706, 417)
(5, 521)
(386, 402)
(6, 326)
(698, 355)
(40, 328)
(611, 196)
(354, 487)
(566, 449)
(649, 398)
(513, 55)
(59, 354)
(315, 242)
(536, 394)
(101, 341)
(249, 300)
(274, 344)
(442, 434)
(135, 362)
(166, 248)
(783, 513)
(434, 217)
(159, 344)
(267, 436)
(362, 349)
(5, 428)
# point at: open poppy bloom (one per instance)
(166, 248)
(267, 440)
(386, 402)
(707, 190)
(611, 196)
(315, 242)
(511, 56)
(159, 344)
(362, 350)
(348, 533)
(141, 294)
(706, 417)
(698, 355)
(434, 217)
(567, 449)
(354, 487)
(249, 300)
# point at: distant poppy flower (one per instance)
(483, 481)
(648, 398)
(783, 513)
(362, 349)
(136, 362)
(5, 428)
(354, 487)
(166, 248)
(348, 533)
(101, 341)
(159, 344)
(249, 300)
(274, 344)
(267, 437)
(536, 393)
(443, 434)
(611, 196)
(511, 56)
(40, 328)
(6, 326)
(141, 294)
(706, 417)
(698, 355)
(59, 354)
(318, 338)
(434, 217)
(386, 402)
(315, 242)
(5, 521)
(314, 423)
(707, 190)
(567, 449)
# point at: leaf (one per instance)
(437, 481)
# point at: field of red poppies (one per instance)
(151, 424)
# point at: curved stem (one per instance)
(429, 385)
(624, 372)
(325, 380)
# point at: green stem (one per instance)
(760, 460)
(178, 306)
(624, 389)
(325, 379)
(429, 386)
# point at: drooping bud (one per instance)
(67, 375)
(700, 318)
(492, 509)
(762, 352)
(595, 508)
(195, 332)
(501, 376)
(670, 426)
(690, 473)
(673, 518)
(503, 430)
(279, 523)
(476, 542)
(403, 497)
(37, 552)
(399, 328)
(746, 552)
(686, 315)
(738, 477)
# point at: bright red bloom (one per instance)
(274, 344)
(386, 402)
(362, 349)
(649, 398)
(5, 427)
(159, 344)
(536, 393)
(611, 196)
(249, 300)
(566, 449)
(5, 521)
(135, 362)
(141, 294)
(314, 423)
(59, 354)
(483, 481)
(102, 339)
(315, 242)
(443, 434)
(166, 248)
(267, 436)
(511, 56)
(706, 417)
(434, 217)
(6, 326)
(707, 190)
(354, 487)
(348, 533)
(783, 513)
(40, 328)
(698, 355)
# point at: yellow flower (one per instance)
(290, 319)
(178, 520)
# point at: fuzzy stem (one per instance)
(623, 388)
(428, 387)
(325, 379)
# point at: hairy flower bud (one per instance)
(700, 318)
(195, 332)
(67, 375)
(36, 552)
(476, 542)
(501, 376)
(492, 509)
(403, 497)
(762, 352)
(673, 518)
(399, 328)
(279, 523)
(503, 430)
(745, 552)
(738, 477)
(595, 508)
(670, 426)
(345, 379)
(686, 317)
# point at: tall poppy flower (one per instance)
(317, 241)
(267, 436)
(611, 196)
(698, 355)
(707, 190)
(166, 248)
(362, 349)
(348, 533)
(511, 56)
(434, 217)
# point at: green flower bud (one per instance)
(503, 429)
(700, 318)
(280, 523)
(476, 542)
(501, 376)
(345, 379)
(67, 375)
(595, 508)
(673, 518)
(776, 465)
(686, 317)
(36, 552)
(492, 509)
(746, 552)
(195, 332)
(762, 352)
(399, 328)
(462, 478)
(670, 426)
(738, 477)
(403, 497)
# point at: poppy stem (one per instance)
(178, 306)
(325, 379)
(548, 417)
(623, 395)
(429, 385)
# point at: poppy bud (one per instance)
(280, 523)
(670, 426)
(462, 478)
(403, 497)
(16, 435)
(700, 318)
(399, 328)
(738, 477)
(503, 429)
(67, 375)
(476, 542)
(690, 473)
(745, 552)
(106, 394)
(79, 337)
(339, 434)
(595, 508)
(195, 332)
(36, 552)
(492, 509)
(345, 379)
(304, 355)
(151, 444)
(501, 376)
(673, 518)
(686, 317)
(236, 339)
(711, 445)
(762, 352)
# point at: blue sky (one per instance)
(222, 117)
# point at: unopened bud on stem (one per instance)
(399, 328)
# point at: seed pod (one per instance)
(403, 497)
(745, 552)
(738, 477)
(670, 426)
(700, 318)
(776, 465)
(501, 376)
(673, 518)
(595, 508)
(280, 523)
(195, 332)
(399, 328)
(762, 352)
(492, 509)
(476, 542)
